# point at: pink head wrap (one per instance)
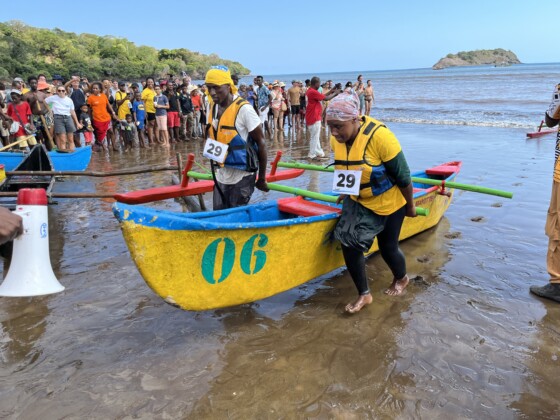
(344, 107)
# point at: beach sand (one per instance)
(467, 340)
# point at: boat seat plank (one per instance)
(301, 207)
(442, 170)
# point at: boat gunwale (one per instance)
(150, 217)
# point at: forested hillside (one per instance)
(25, 51)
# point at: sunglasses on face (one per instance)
(61, 91)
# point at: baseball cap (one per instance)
(57, 77)
(17, 92)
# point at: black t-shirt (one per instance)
(186, 104)
(173, 102)
(78, 98)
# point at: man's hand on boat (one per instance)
(261, 185)
(11, 225)
(410, 210)
(340, 198)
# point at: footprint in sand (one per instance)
(423, 259)
(477, 219)
(497, 205)
(419, 281)
(453, 235)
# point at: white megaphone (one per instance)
(30, 272)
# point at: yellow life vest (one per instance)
(378, 191)
(242, 153)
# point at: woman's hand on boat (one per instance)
(11, 225)
(261, 185)
(340, 198)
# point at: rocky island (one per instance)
(498, 57)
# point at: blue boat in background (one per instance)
(78, 160)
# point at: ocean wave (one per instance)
(496, 124)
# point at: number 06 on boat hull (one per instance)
(209, 260)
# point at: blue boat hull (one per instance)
(75, 161)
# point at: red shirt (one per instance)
(314, 109)
(24, 112)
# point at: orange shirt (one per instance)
(98, 106)
(196, 101)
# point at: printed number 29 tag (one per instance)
(347, 182)
(215, 150)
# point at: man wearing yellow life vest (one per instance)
(552, 227)
(371, 170)
(235, 143)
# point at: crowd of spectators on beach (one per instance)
(119, 115)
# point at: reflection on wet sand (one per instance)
(23, 324)
(465, 341)
(316, 361)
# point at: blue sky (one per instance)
(304, 37)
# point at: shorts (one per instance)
(295, 109)
(38, 121)
(100, 129)
(151, 116)
(161, 122)
(173, 119)
(30, 141)
(227, 196)
(63, 124)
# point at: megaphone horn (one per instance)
(30, 272)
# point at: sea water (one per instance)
(466, 340)
(509, 97)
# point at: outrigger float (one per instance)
(541, 132)
(209, 260)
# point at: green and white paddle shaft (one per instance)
(427, 181)
(298, 191)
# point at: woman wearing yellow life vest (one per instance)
(235, 143)
(371, 166)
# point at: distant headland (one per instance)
(498, 57)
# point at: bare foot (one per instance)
(397, 287)
(362, 301)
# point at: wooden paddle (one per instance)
(14, 143)
(428, 181)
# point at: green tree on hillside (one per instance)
(26, 51)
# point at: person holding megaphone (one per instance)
(11, 225)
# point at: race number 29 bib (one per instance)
(215, 150)
(346, 182)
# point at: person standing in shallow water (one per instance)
(383, 198)
(234, 122)
(552, 227)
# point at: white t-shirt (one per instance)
(60, 106)
(247, 120)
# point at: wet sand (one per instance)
(467, 340)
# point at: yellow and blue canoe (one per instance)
(208, 260)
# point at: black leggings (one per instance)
(388, 241)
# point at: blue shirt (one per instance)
(161, 100)
(138, 108)
(262, 95)
(251, 97)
